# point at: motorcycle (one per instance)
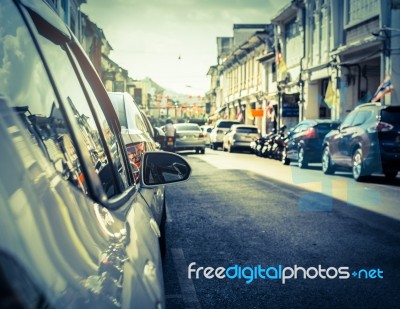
(270, 147)
(268, 144)
(169, 143)
(258, 144)
(279, 144)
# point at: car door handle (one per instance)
(150, 269)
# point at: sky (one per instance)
(173, 41)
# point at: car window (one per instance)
(187, 127)
(324, 128)
(135, 120)
(305, 126)
(117, 100)
(300, 127)
(296, 129)
(149, 127)
(71, 91)
(362, 117)
(32, 97)
(226, 124)
(110, 137)
(246, 130)
(391, 116)
(348, 120)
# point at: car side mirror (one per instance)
(161, 168)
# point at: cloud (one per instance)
(148, 36)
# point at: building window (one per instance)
(119, 86)
(138, 96)
(324, 110)
(273, 70)
(360, 10)
(291, 29)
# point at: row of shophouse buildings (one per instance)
(315, 59)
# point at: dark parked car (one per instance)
(304, 142)
(76, 229)
(367, 141)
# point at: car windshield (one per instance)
(246, 130)
(119, 106)
(187, 127)
(226, 124)
(324, 127)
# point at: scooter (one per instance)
(169, 144)
(279, 144)
(258, 144)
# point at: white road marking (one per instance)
(169, 217)
(187, 288)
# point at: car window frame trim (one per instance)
(93, 185)
(119, 200)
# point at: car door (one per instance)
(353, 136)
(338, 142)
(143, 268)
(293, 142)
(80, 228)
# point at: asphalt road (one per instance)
(231, 215)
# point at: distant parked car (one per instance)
(304, 142)
(240, 136)
(367, 141)
(189, 136)
(218, 132)
(206, 131)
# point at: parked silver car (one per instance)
(218, 132)
(76, 230)
(189, 136)
(240, 136)
(138, 139)
(136, 134)
(207, 131)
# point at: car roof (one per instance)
(244, 126)
(369, 105)
(186, 124)
(317, 121)
(234, 121)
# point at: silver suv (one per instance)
(76, 229)
(218, 132)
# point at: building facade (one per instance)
(239, 79)
(335, 54)
(327, 57)
(70, 13)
